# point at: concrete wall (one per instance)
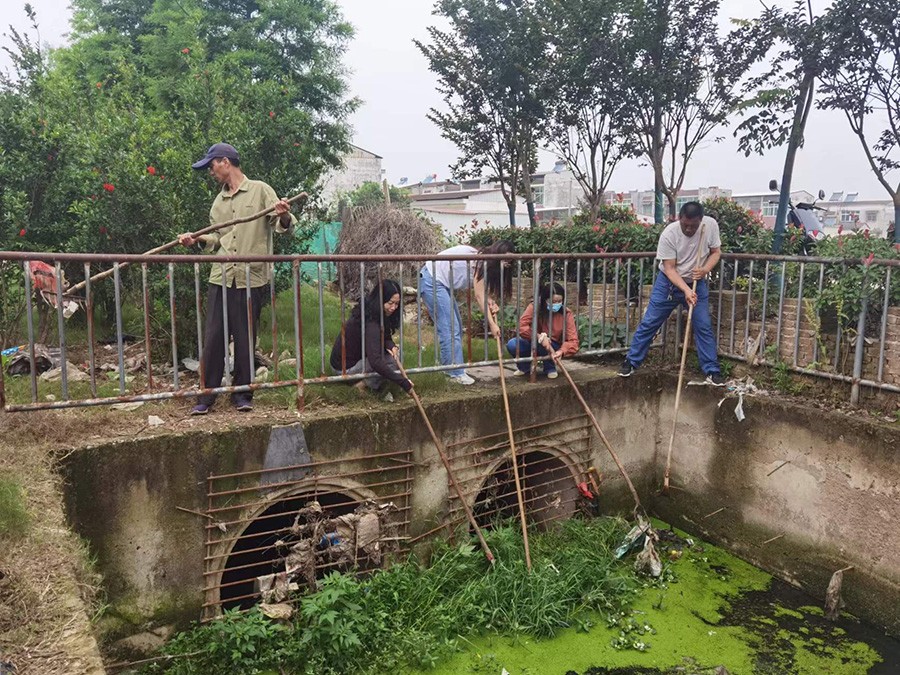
(121, 498)
(835, 504)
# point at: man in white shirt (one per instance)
(683, 256)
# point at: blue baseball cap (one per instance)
(217, 151)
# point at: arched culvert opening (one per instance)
(326, 542)
(548, 489)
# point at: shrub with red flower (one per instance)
(109, 187)
(151, 170)
(22, 232)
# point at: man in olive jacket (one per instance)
(238, 198)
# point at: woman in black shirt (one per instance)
(382, 318)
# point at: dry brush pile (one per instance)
(384, 230)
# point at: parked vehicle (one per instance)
(803, 215)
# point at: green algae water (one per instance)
(711, 609)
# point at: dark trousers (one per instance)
(214, 354)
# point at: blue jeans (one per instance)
(524, 347)
(447, 319)
(663, 299)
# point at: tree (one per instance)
(490, 66)
(97, 141)
(371, 193)
(780, 99)
(862, 80)
(685, 85)
(587, 115)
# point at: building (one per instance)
(360, 166)
(765, 204)
(851, 213)
(454, 209)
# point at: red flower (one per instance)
(615, 230)
(102, 229)
(162, 177)
(739, 229)
(99, 85)
(94, 198)
(271, 114)
(185, 51)
(840, 228)
(109, 187)
(596, 228)
(866, 234)
(151, 170)
(22, 232)
(866, 262)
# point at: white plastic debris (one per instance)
(73, 374)
(190, 364)
(155, 421)
(128, 407)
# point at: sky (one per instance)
(391, 77)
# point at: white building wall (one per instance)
(360, 166)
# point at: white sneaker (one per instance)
(552, 375)
(463, 379)
(518, 373)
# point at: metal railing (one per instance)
(607, 292)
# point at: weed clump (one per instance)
(414, 613)
(13, 514)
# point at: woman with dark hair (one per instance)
(366, 345)
(557, 336)
(442, 279)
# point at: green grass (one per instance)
(576, 610)
(14, 519)
(412, 614)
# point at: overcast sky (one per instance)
(392, 78)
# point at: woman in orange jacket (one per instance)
(557, 336)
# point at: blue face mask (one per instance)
(555, 307)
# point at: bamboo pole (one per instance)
(172, 244)
(590, 414)
(684, 348)
(440, 448)
(512, 448)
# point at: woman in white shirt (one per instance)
(442, 279)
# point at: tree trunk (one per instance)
(511, 205)
(897, 216)
(532, 218)
(659, 182)
(796, 139)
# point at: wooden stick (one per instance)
(590, 414)
(512, 447)
(778, 467)
(440, 448)
(684, 348)
(846, 569)
(710, 515)
(196, 513)
(769, 541)
(198, 233)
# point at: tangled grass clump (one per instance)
(379, 229)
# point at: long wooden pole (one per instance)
(443, 455)
(590, 414)
(512, 449)
(684, 349)
(172, 244)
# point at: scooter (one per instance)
(803, 215)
